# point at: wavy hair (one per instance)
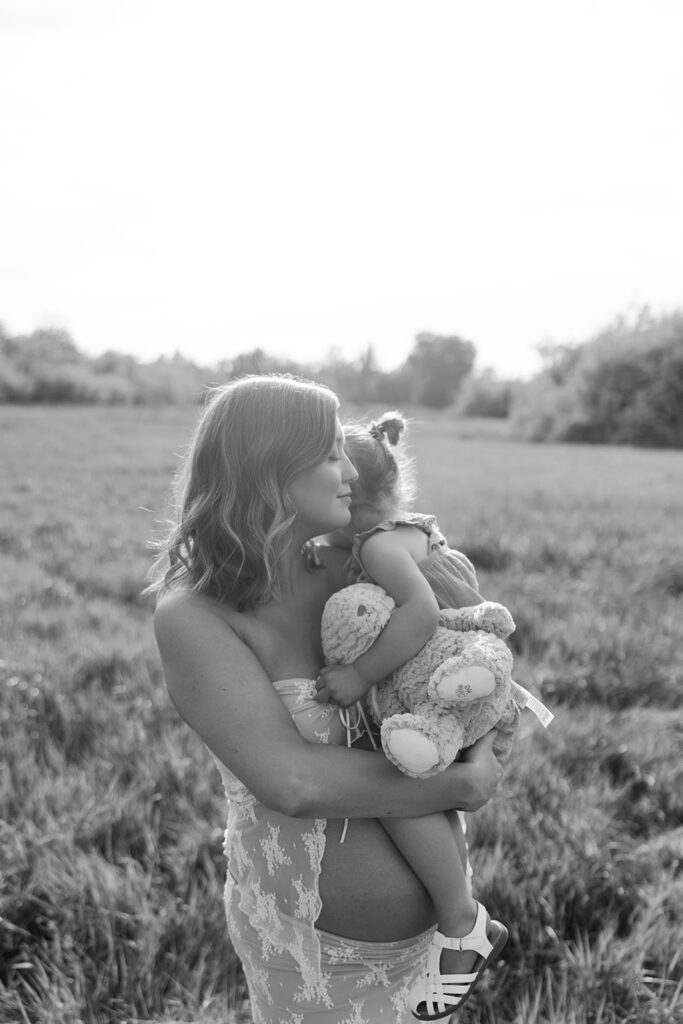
(233, 512)
(385, 471)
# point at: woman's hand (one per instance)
(486, 771)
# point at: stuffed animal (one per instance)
(455, 689)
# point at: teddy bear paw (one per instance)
(412, 744)
(453, 683)
(411, 751)
(494, 618)
(421, 744)
(489, 617)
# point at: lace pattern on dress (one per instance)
(274, 861)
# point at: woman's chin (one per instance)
(343, 520)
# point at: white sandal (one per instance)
(440, 995)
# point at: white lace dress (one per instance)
(296, 973)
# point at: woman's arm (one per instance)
(221, 690)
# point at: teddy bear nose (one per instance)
(361, 609)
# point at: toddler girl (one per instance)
(405, 553)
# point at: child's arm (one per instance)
(389, 563)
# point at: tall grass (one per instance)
(111, 815)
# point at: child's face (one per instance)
(363, 516)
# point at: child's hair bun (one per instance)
(391, 425)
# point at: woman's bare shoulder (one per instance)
(203, 652)
(180, 613)
(174, 605)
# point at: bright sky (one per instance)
(211, 175)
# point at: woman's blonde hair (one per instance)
(385, 471)
(233, 512)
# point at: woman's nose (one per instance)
(350, 472)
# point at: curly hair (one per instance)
(233, 513)
(385, 470)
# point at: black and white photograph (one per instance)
(341, 512)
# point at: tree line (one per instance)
(622, 386)
(46, 366)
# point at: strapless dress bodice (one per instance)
(319, 723)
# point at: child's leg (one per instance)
(438, 858)
(458, 833)
(437, 852)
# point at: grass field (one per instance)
(111, 815)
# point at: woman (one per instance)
(326, 931)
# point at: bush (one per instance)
(623, 387)
(46, 366)
(15, 384)
(485, 395)
(68, 383)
